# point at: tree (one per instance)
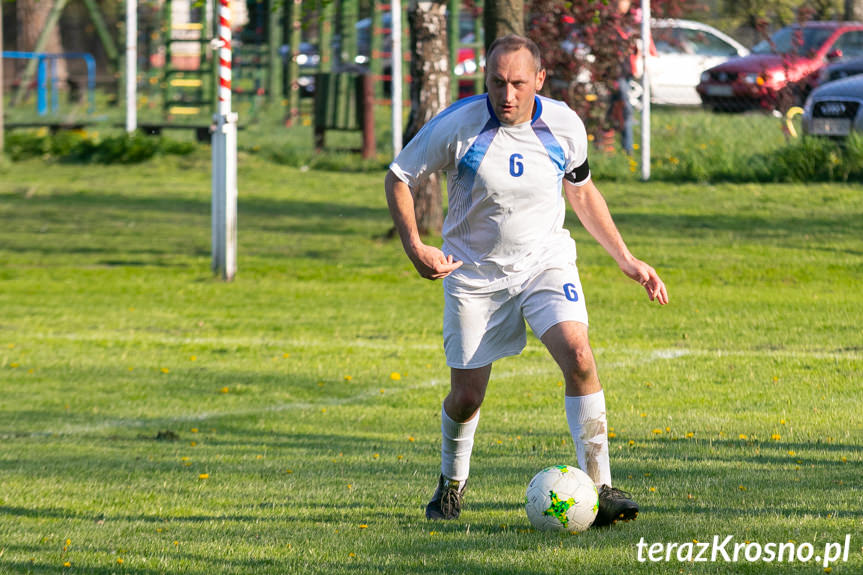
(430, 94)
(581, 51)
(32, 16)
(502, 17)
(854, 10)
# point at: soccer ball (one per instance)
(561, 498)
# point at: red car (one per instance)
(780, 71)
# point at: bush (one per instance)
(88, 147)
(813, 159)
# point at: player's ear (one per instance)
(540, 79)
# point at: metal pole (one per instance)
(396, 16)
(645, 84)
(131, 66)
(224, 150)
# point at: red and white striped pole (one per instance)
(224, 146)
(224, 57)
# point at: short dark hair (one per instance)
(513, 43)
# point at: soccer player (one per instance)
(506, 257)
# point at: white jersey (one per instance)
(506, 209)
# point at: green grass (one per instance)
(279, 387)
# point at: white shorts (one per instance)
(479, 328)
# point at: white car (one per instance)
(685, 49)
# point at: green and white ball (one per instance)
(562, 498)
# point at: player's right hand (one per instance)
(432, 264)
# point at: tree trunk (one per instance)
(502, 17)
(430, 94)
(31, 16)
(854, 10)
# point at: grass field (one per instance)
(155, 420)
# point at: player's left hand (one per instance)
(647, 277)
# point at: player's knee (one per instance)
(464, 403)
(582, 367)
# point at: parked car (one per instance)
(841, 69)
(685, 49)
(835, 109)
(790, 59)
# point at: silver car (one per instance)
(835, 109)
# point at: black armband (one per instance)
(580, 174)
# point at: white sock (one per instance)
(589, 428)
(456, 446)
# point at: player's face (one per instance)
(512, 81)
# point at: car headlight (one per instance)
(705, 77)
(778, 76)
(751, 78)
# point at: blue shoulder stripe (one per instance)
(552, 146)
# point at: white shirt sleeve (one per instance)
(428, 152)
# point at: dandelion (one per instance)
(690, 435)
(119, 560)
(376, 456)
(631, 442)
(194, 430)
(791, 452)
(383, 390)
(165, 370)
(11, 346)
(352, 554)
(741, 487)
(204, 476)
(224, 390)
(657, 431)
(844, 459)
(611, 435)
(323, 410)
(289, 470)
(400, 457)
(642, 414)
(668, 430)
(652, 489)
(363, 526)
(193, 443)
(743, 436)
(781, 422)
(14, 365)
(348, 378)
(395, 376)
(411, 439)
(775, 437)
(286, 355)
(67, 564)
